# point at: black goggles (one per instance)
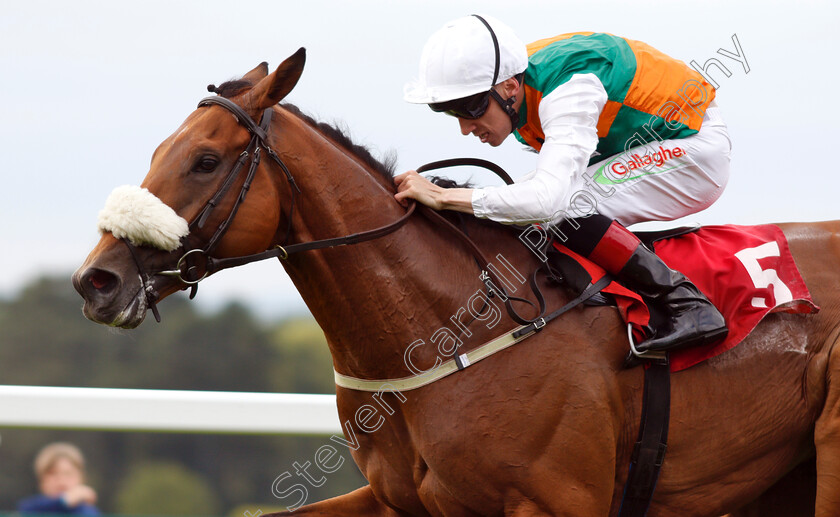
(471, 107)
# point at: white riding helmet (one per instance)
(459, 60)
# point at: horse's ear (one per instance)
(273, 88)
(257, 74)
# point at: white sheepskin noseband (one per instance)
(137, 214)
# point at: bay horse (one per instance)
(545, 427)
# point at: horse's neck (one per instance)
(373, 299)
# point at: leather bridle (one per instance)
(187, 270)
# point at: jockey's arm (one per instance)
(569, 116)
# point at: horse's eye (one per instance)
(206, 164)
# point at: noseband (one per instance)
(187, 269)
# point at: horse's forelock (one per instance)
(231, 88)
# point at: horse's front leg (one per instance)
(358, 503)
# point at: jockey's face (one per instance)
(494, 126)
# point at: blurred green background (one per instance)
(45, 341)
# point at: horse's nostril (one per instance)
(100, 280)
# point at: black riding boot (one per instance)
(690, 318)
(687, 319)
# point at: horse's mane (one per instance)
(385, 168)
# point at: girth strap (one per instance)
(649, 452)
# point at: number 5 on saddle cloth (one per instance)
(747, 272)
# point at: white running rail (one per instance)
(168, 410)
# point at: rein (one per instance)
(488, 276)
(260, 135)
(649, 450)
(187, 269)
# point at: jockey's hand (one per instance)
(411, 185)
(414, 186)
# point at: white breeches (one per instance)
(660, 181)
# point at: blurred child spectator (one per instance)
(60, 468)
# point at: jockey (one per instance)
(625, 134)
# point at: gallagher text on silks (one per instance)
(626, 167)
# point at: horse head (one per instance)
(156, 237)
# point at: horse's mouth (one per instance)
(130, 316)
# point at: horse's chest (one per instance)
(415, 470)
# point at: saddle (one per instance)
(746, 271)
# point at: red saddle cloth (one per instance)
(746, 271)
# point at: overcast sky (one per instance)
(88, 89)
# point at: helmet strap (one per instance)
(507, 106)
(495, 47)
